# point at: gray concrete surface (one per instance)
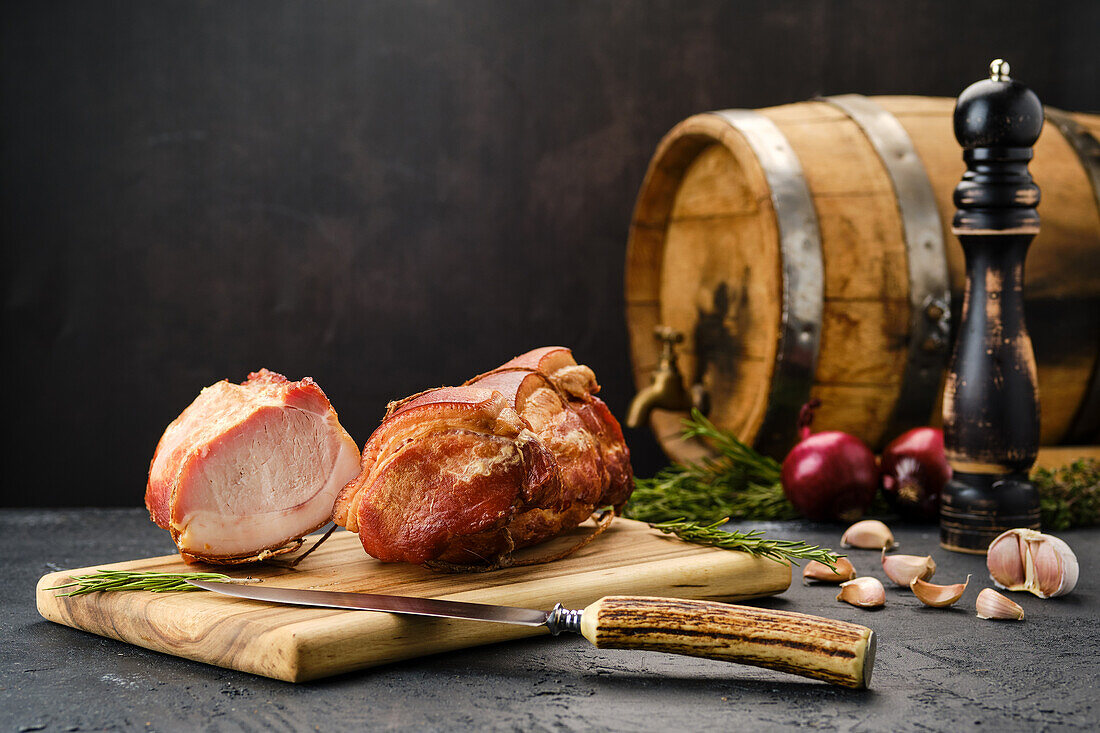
(936, 669)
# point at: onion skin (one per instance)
(829, 475)
(914, 472)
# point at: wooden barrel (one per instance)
(806, 251)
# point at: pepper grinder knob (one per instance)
(998, 112)
(991, 405)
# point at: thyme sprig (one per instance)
(753, 542)
(111, 580)
(1069, 496)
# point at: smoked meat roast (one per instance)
(460, 477)
(249, 469)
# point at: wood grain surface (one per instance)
(703, 258)
(298, 644)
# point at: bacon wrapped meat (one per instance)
(462, 476)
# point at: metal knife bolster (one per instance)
(564, 619)
(558, 620)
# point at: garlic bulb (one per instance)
(903, 569)
(870, 534)
(938, 596)
(1023, 559)
(815, 570)
(992, 605)
(864, 592)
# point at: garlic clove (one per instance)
(1024, 559)
(864, 592)
(815, 570)
(903, 569)
(993, 605)
(1006, 559)
(1055, 567)
(938, 596)
(870, 534)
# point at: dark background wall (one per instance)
(384, 195)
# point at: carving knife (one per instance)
(834, 651)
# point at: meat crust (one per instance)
(249, 469)
(464, 475)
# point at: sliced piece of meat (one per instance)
(464, 475)
(249, 469)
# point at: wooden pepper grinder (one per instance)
(991, 400)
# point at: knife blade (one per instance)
(388, 604)
(838, 652)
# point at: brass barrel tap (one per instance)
(666, 390)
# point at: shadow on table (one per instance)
(774, 602)
(731, 684)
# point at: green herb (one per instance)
(739, 482)
(104, 580)
(1069, 496)
(754, 542)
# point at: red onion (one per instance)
(914, 472)
(829, 475)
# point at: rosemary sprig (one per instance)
(680, 491)
(739, 482)
(110, 580)
(753, 542)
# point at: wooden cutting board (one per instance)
(297, 644)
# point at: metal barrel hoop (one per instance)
(1085, 426)
(803, 276)
(929, 282)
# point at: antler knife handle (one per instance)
(820, 648)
